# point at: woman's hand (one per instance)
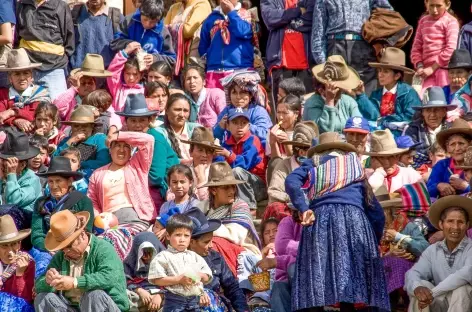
(144, 295)
(74, 80)
(223, 152)
(360, 88)
(267, 249)
(112, 135)
(76, 138)
(267, 264)
(6, 115)
(161, 234)
(223, 122)
(458, 183)
(273, 133)
(204, 300)
(331, 91)
(22, 263)
(12, 165)
(427, 71)
(23, 124)
(390, 235)
(445, 189)
(308, 218)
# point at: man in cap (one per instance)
(356, 132)
(441, 279)
(85, 272)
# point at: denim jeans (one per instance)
(54, 80)
(177, 303)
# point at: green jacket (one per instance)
(22, 192)
(159, 167)
(39, 230)
(102, 270)
(330, 119)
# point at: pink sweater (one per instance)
(286, 246)
(136, 176)
(211, 107)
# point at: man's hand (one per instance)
(360, 88)
(74, 80)
(424, 296)
(77, 138)
(63, 283)
(267, 264)
(390, 235)
(331, 91)
(52, 275)
(223, 152)
(223, 122)
(155, 303)
(148, 59)
(6, 115)
(436, 237)
(458, 183)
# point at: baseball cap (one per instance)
(357, 124)
(237, 112)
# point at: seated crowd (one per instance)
(144, 165)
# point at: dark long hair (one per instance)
(174, 142)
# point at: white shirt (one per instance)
(393, 90)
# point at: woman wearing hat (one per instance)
(463, 96)
(432, 120)
(304, 134)
(447, 178)
(62, 196)
(17, 103)
(391, 106)
(16, 269)
(458, 70)
(242, 90)
(93, 150)
(341, 209)
(329, 107)
(138, 118)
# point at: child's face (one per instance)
(161, 97)
(286, 116)
(269, 233)
(180, 239)
(36, 162)
(148, 23)
(46, 123)
(74, 161)
(156, 76)
(147, 255)
(436, 8)
(157, 227)
(201, 155)
(131, 76)
(387, 77)
(238, 127)
(407, 158)
(458, 77)
(138, 124)
(239, 97)
(87, 85)
(225, 194)
(179, 184)
(439, 155)
(137, 3)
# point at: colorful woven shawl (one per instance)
(415, 198)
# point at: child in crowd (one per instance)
(46, 122)
(435, 153)
(37, 164)
(163, 72)
(180, 271)
(146, 30)
(406, 142)
(292, 85)
(157, 94)
(391, 106)
(180, 181)
(288, 115)
(101, 100)
(244, 152)
(74, 156)
(435, 40)
(458, 71)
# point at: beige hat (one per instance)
(303, 134)
(65, 228)
(382, 143)
(336, 70)
(17, 60)
(447, 202)
(92, 66)
(81, 115)
(392, 58)
(8, 231)
(221, 174)
(388, 200)
(203, 137)
(458, 126)
(330, 141)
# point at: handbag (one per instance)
(87, 151)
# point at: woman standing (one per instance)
(341, 209)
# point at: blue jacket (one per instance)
(406, 98)
(238, 54)
(224, 279)
(259, 119)
(465, 38)
(459, 98)
(418, 243)
(277, 18)
(441, 174)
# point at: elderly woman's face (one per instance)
(456, 146)
(239, 97)
(434, 116)
(21, 80)
(120, 153)
(8, 252)
(59, 186)
(86, 129)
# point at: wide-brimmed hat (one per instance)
(386, 199)
(392, 58)
(17, 145)
(458, 126)
(221, 174)
(434, 97)
(305, 134)
(60, 166)
(330, 141)
(9, 232)
(446, 202)
(201, 225)
(81, 115)
(202, 136)
(92, 66)
(136, 106)
(467, 160)
(382, 143)
(460, 59)
(336, 70)
(17, 60)
(65, 228)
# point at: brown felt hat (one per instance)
(8, 231)
(447, 202)
(382, 143)
(221, 174)
(330, 141)
(458, 126)
(81, 115)
(392, 58)
(65, 228)
(203, 137)
(336, 70)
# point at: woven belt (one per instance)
(350, 37)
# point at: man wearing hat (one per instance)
(356, 131)
(441, 279)
(459, 69)
(432, 112)
(223, 278)
(391, 106)
(385, 155)
(85, 272)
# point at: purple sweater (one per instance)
(286, 246)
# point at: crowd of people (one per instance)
(160, 161)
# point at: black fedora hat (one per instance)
(17, 145)
(201, 225)
(60, 166)
(135, 106)
(460, 59)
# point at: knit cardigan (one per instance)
(441, 174)
(22, 191)
(102, 270)
(286, 246)
(328, 118)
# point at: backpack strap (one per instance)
(115, 15)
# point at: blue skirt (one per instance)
(10, 303)
(338, 261)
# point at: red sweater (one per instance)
(21, 286)
(27, 112)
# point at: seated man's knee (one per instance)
(465, 290)
(93, 295)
